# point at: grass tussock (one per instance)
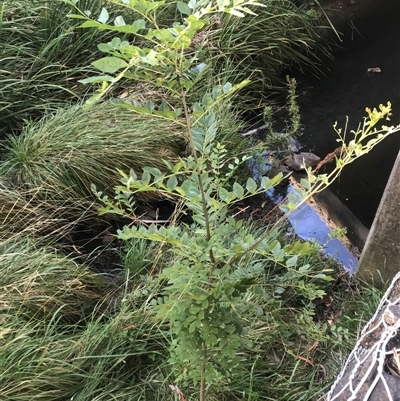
(228, 118)
(60, 341)
(44, 54)
(22, 216)
(282, 35)
(40, 282)
(53, 163)
(65, 153)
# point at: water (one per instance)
(346, 90)
(307, 222)
(310, 226)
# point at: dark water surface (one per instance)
(346, 90)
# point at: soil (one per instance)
(259, 209)
(98, 247)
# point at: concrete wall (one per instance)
(380, 259)
(341, 216)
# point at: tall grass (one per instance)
(63, 154)
(40, 282)
(67, 333)
(43, 54)
(57, 159)
(282, 35)
(59, 338)
(23, 215)
(228, 114)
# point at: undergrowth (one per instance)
(69, 333)
(212, 308)
(283, 35)
(42, 52)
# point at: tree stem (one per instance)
(203, 371)
(202, 386)
(198, 172)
